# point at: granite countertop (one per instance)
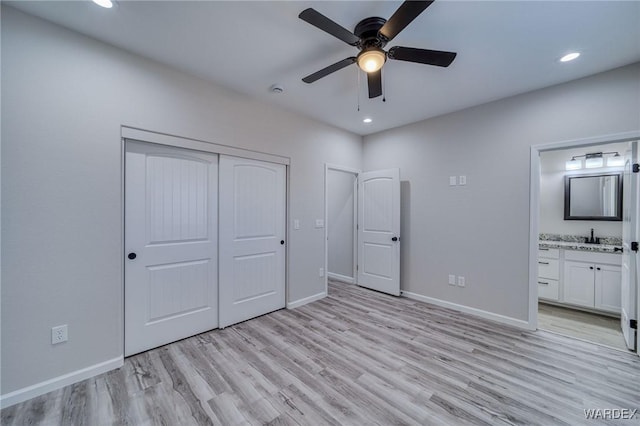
(576, 242)
(570, 245)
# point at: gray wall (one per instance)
(552, 172)
(481, 230)
(340, 210)
(64, 98)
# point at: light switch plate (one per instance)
(453, 180)
(462, 180)
(461, 282)
(452, 280)
(319, 223)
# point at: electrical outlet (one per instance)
(59, 334)
(453, 180)
(321, 272)
(461, 282)
(452, 280)
(462, 180)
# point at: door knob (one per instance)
(131, 256)
(282, 242)
(394, 239)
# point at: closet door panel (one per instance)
(252, 237)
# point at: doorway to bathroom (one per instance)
(584, 267)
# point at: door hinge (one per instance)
(634, 246)
(635, 167)
(357, 267)
(633, 324)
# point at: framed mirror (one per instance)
(593, 197)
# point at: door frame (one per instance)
(356, 172)
(534, 206)
(149, 136)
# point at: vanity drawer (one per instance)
(548, 289)
(593, 257)
(549, 253)
(548, 268)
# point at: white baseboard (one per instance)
(304, 301)
(339, 277)
(503, 319)
(41, 388)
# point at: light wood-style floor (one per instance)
(595, 328)
(355, 358)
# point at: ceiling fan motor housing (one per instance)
(367, 31)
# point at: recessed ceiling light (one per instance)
(108, 4)
(566, 58)
(367, 120)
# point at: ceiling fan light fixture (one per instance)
(372, 59)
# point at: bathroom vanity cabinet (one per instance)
(585, 279)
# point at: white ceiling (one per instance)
(504, 48)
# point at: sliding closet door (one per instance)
(171, 289)
(252, 238)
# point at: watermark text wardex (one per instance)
(610, 413)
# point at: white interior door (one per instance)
(379, 230)
(170, 244)
(252, 237)
(630, 218)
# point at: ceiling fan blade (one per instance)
(320, 21)
(423, 56)
(407, 12)
(374, 79)
(328, 70)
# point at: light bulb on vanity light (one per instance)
(615, 161)
(594, 161)
(573, 164)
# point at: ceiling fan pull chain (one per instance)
(384, 87)
(358, 87)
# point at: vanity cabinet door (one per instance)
(579, 283)
(607, 287)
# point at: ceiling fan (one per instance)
(370, 36)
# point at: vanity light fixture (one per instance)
(594, 160)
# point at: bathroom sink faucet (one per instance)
(592, 240)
